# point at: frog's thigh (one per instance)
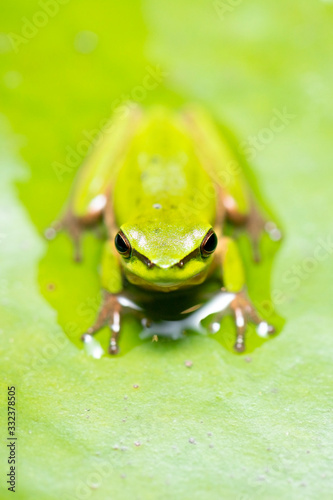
(221, 163)
(98, 171)
(232, 266)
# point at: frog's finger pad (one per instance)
(239, 344)
(244, 313)
(86, 337)
(113, 346)
(264, 329)
(51, 232)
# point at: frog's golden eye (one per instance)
(122, 244)
(209, 244)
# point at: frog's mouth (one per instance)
(166, 285)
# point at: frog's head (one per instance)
(166, 255)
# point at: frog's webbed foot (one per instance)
(244, 312)
(74, 228)
(110, 313)
(256, 224)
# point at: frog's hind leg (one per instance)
(255, 224)
(75, 226)
(225, 168)
(92, 186)
(74, 229)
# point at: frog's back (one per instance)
(161, 169)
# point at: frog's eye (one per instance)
(122, 244)
(209, 244)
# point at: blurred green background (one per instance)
(238, 427)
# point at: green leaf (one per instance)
(144, 425)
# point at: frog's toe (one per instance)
(240, 323)
(264, 329)
(256, 225)
(273, 231)
(214, 326)
(239, 345)
(91, 331)
(77, 255)
(51, 232)
(113, 347)
(85, 337)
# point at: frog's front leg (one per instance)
(109, 314)
(234, 281)
(110, 311)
